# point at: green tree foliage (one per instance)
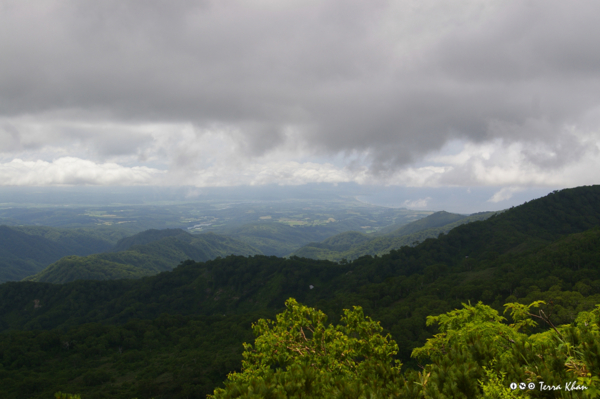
(298, 355)
(477, 353)
(278, 239)
(168, 357)
(60, 395)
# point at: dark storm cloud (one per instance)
(346, 76)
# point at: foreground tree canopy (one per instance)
(298, 355)
(477, 353)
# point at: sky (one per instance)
(497, 96)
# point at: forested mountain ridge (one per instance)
(544, 219)
(339, 242)
(146, 253)
(82, 239)
(547, 249)
(437, 219)
(272, 228)
(275, 238)
(240, 284)
(27, 250)
(353, 245)
(146, 237)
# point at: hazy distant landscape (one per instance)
(119, 236)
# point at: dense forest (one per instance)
(26, 250)
(60, 255)
(153, 251)
(143, 254)
(179, 334)
(352, 244)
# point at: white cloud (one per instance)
(504, 194)
(256, 173)
(59, 151)
(418, 203)
(261, 92)
(74, 171)
(572, 161)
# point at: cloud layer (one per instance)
(73, 171)
(418, 93)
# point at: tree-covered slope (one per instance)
(353, 245)
(276, 238)
(95, 267)
(147, 253)
(340, 242)
(27, 250)
(146, 237)
(498, 251)
(81, 241)
(182, 354)
(438, 219)
(547, 249)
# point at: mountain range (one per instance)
(178, 333)
(143, 254)
(352, 245)
(60, 255)
(29, 249)
(153, 251)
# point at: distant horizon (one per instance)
(451, 199)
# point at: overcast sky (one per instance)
(419, 93)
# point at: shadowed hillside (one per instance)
(27, 250)
(353, 245)
(147, 253)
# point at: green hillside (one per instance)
(179, 334)
(353, 245)
(280, 234)
(146, 237)
(437, 219)
(82, 240)
(27, 250)
(276, 238)
(343, 241)
(147, 253)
